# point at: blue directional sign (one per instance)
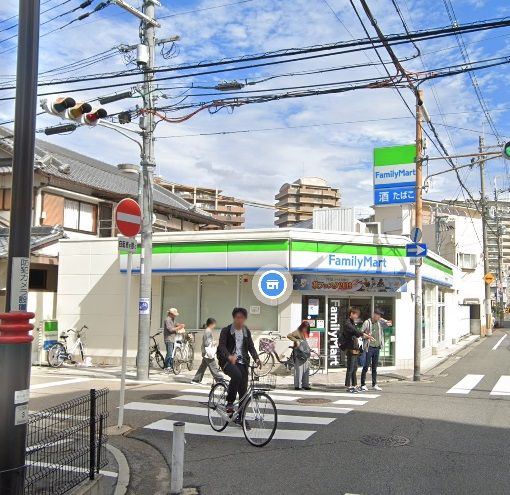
(416, 250)
(416, 234)
(272, 284)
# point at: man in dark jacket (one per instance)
(349, 344)
(234, 350)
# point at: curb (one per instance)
(123, 477)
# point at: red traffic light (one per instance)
(92, 118)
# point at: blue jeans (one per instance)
(372, 360)
(169, 352)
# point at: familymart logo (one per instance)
(357, 262)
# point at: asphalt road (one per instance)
(438, 436)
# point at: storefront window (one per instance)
(180, 291)
(440, 315)
(428, 315)
(261, 317)
(219, 298)
(313, 309)
(387, 354)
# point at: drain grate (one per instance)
(159, 396)
(384, 441)
(314, 401)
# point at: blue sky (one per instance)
(310, 136)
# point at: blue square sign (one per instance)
(416, 250)
(394, 195)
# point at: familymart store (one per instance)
(207, 274)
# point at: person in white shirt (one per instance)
(208, 354)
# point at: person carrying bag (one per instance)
(208, 354)
(301, 355)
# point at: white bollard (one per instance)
(177, 478)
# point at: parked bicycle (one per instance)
(155, 355)
(183, 352)
(59, 353)
(268, 357)
(256, 410)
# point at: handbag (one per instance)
(302, 351)
(210, 351)
(356, 346)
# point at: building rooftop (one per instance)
(41, 237)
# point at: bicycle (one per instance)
(268, 357)
(256, 410)
(154, 352)
(183, 352)
(59, 353)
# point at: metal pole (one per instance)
(418, 310)
(499, 284)
(92, 434)
(486, 265)
(23, 161)
(127, 303)
(177, 475)
(147, 163)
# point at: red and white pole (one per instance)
(15, 357)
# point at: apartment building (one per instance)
(295, 202)
(226, 209)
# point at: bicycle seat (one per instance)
(64, 336)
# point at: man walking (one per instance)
(170, 331)
(374, 328)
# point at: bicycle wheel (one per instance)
(315, 363)
(177, 361)
(160, 360)
(81, 353)
(191, 357)
(260, 419)
(216, 406)
(56, 355)
(266, 364)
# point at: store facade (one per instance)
(206, 274)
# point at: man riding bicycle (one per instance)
(234, 350)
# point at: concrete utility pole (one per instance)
(486, 268)
(418, 303)
(148, 164)
(499, 234)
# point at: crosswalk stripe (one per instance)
(202, 411)
(294, 392)
(235, 432)
(498, 343)
(283, 407)
(502, 386)
(350, 402)
(275, 397)
(468, 383)
(58, 384)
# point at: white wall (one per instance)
(91, 292)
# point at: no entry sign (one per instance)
(128, 217)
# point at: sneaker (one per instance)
(297, 388)
(352, 390)
(363, 388)
(376, 387)
(194, 382)
(307, 388)
(230, 409)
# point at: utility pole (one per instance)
(147, 169)
(486, 267)
(418, 303)
(499, 233)
(15, 341)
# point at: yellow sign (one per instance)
(489, 278)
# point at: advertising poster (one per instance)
(314, 341)
(313, 307)
(347, 285)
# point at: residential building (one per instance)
(75, 197)
(230, 211)
(295, 202)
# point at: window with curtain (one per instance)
(71, 214)
(79, 216)
(86, 217)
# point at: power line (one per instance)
(185, 12)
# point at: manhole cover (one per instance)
(314, 401)
(384, 441)
(158, 396)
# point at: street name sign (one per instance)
(127, 244)
(416, 250)
(128, 217)
(489, 278)
(395, 175)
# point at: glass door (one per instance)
(313, 309)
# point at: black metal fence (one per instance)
(66, 444)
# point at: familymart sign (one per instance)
(395, 175)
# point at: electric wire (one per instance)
(185, 12)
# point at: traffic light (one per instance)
(506, 151)
(78, 110)
(93, 117)
(58, 105)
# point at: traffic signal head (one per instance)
(58, 105)
(92, 118)
(506, 151)
(78, 111)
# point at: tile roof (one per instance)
(41, 236)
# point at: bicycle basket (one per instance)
(267, 382)
(190, 337)
(266, 345)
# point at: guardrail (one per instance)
(66, 444)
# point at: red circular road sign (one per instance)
(128, 217)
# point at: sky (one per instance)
(330, 136)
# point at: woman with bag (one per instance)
(301, 355)
(208, 354)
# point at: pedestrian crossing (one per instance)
(296, 422)
(480, 383)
